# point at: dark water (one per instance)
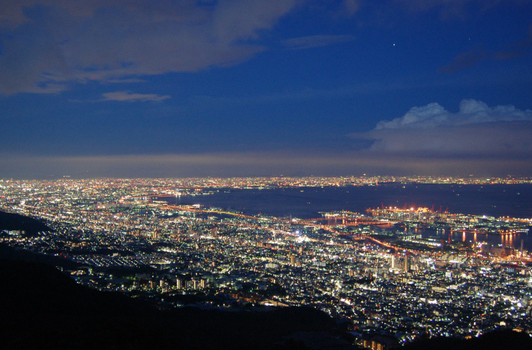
(492, 200)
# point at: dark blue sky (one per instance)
(265, 87)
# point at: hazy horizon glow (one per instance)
(253, 165)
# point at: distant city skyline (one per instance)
(265, 87)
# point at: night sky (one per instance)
(178, 88)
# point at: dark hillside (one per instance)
(10, 221)
(42, 308)
(496, 340)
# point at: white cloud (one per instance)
(133, 97)
(471, 112)
(475, 130)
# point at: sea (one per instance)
(309, 202)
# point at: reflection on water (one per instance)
(515, 240)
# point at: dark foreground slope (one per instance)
(42, 308)
(10, 221)
(496, 340)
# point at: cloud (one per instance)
(498, 139)
(476, 130)
(351, 6)
(133, 97)
(49, 44)
(470, 58)
(307, 42)
(517, 49)
(125, 81)
(244, 19)
(464, 60)
(449, 9)
(471, 112)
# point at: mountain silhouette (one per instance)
(40, 307)
(9, 221)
